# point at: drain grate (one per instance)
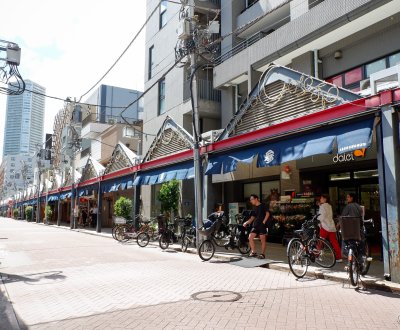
(217, 296)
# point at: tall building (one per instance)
(24, 120)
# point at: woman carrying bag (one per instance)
(328, 229)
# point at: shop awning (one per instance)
(178, 171)
(52, 198)
(65, 195)
(116, 184)
(347, 137)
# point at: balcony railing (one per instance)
(109, 119)
(205, 91)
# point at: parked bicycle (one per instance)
(123, 226)
(128, 232)
(188, 233)
(207, 247)
(166, 232)
(353, 233)
(307, 247)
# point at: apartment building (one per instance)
(341, 41)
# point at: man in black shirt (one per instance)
(259, 217)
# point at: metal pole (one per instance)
(58, 210)
(38, 196)
(99, 207)
(73, 218)
(196, 133)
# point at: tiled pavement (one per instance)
(60, 279)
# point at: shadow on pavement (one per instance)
(8, 319)
(36, 278)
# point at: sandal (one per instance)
(252, 254)
(261, 256)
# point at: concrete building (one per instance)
(24, 120)
(16, 174)
(171, 96)
(111, 101)
(341, 41)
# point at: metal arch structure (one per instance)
(294, 82)
(169, 131)
(61, 120)
(11, 81)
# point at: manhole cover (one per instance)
(217, 296)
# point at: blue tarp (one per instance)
(348, 137)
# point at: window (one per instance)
(249, 3)
(151, 61)
(163, 13)
(161, 97)
(375, 67)
(12, 165)
(394, 59)
(17, 175)
(353, 76)
(12, 159)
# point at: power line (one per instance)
(125, 50)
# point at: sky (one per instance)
(66, 46)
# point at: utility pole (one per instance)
(73, 218)
(198, 175)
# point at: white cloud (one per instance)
(68, 45)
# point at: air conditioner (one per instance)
(210, 136)
(111, 121)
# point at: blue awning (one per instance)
(181, 171)
(115, 184)
(129, 184)
(348, 137)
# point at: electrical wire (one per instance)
(125, 50)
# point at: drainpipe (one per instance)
(316, 62)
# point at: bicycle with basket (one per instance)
(307, 247)
(353, 233)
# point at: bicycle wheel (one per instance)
(322, 251)
(113, 231)
(143, 239)
(243, 246)
(365, 262)
(185, 243)
(120, 233)
(297, 257)
(163, 241)
(150, 232)
(353, 268)
(206, 250)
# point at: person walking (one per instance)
(260, 217)
(327, 226)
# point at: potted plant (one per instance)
(169, 196)
(28, 213)
(15, 213)
(123, 207)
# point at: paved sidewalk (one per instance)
(276, 259)
(62, 279)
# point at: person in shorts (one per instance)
(259, 219)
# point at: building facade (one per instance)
(110, 101)
(24, 121)
(17, 173)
